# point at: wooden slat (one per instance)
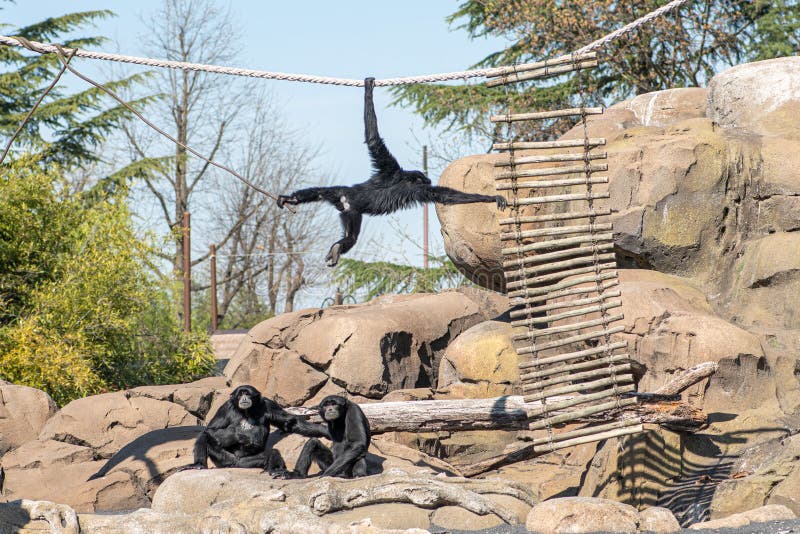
(569, 340)
(554, 370)
(559, 243)
(550, 62)
(589, 430)
(627, 431)
(573, 313)
(538, 74)
(563, 305)
(550, 360)
(575, 401)
(557, 216)
(598, 370)
(530, 285)
(547, 145)
(558, 254)
(557, 230)
(533, 334)
(551, 171)
(584, 412)
(554, 266)
(535, 298)
(583, 386)
(558, 198)
(572, 156)
(542, 184)
(540, 115)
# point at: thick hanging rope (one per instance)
(46, 48)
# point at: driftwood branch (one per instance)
(510, 413)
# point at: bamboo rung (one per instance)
(589, 431)
(553, 183)
(522, 275)
(559, 243)
(538, 115)
(569, 340)
(566, 315)
(557, 216)
(557, 230)
(551, 62)
(627, 431)
(558, 198)
(598, 362)
(574, 355)
(585, 412)
(583, 386)
(574, 401)
(529, 284)
(533, 292)
(544, 72)
(524, 160)
(551, 171)
(564, 285)
(600, 291)
(538, 385)
(546, 145)
(549, 256)
(565, 304)
(533, 334)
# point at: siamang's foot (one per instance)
(283, 199)
(193, 466)
(501, 202)
(369, 83)
(333, 255)
(283, 474)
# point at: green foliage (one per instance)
(683, 48)
(81, 312)
(372, 279)
(66, 129)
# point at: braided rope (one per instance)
(46, 48)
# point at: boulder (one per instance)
(658, 519)
(106, 423)
(772, 512)
(367, 350)
(28, 517)
(759, 97)
(195, 397)
(582, 514)
(766, 474)
(23, 413)
(482, 358)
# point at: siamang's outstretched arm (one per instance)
(382, 160)
(310, 430)
(310, 194)
(445, 195)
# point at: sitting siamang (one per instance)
(389, 189)
(348, 429)
(237, 434)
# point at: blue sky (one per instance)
(350, 39)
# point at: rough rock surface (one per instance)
(581, 514)
(393, 342)
(23, 413)
(763, 514)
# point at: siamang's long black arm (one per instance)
(382, 160)
(310, 194)
(445, 195)
(311, 430)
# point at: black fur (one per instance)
(237, 437)
(348, 428)
(388, 190)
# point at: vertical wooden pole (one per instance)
(213, 288)
(338, 297)
(187, 274)
(425, 212)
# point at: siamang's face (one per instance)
(331, 409)
(245, 397)
(419, 177)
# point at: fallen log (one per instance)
(510, 412)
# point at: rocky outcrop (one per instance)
(581, 514)
(23, 413)
(368, 350)
(772, 512)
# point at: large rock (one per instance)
(580, 514)
(772, 512)
(394, 342)
(23, 413)
(106, 423)
(196, 397)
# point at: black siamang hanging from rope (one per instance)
(389, 189)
